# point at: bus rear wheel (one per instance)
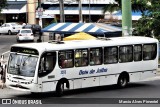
(122, 81)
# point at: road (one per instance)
(96, 95)
(7, 40)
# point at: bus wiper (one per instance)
(24, 62)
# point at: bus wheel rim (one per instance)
(62, 88)
(123, 81)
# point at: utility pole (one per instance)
(26, 12)
(40, 12)
(80, 11)
(126, 18)
(62, 16)
(89, 11)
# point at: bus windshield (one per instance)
(23, 65)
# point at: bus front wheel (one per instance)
(60, 89)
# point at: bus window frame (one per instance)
(65, 58)
(127, 54)
(43, 74)
(117, 47)
(101, 57)
(81, 57)
(155, 51)
(141, 52)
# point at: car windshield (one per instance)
(23, 65)
(14, 24)
(25, 31)
(27, 26)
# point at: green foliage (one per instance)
(149, 24)
(3, 4)
(111, 8)
(48, 23)
(54, 20)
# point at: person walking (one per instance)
(3, 74)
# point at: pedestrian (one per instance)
(3, 78)
(23, 24)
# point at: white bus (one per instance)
(59, 66)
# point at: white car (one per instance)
(25, 35)
(10, 28)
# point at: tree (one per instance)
(3, 3)
(137, 5)
(149, 24)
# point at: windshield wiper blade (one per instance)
(24, 62)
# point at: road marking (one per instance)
(5, 52)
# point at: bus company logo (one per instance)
(6, 101)
(99, 70)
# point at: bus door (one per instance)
(45, 71)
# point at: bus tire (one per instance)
(122, 81)
(60, 89)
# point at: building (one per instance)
(29, 11)
(92, 10)
(14, 12)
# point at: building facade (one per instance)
(14, 12)
(27, 11)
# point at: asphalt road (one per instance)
(7, 40)
(147, 89)
(106, 96)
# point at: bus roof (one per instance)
(74, 44)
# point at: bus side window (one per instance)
(137, 52)
(110, 55)
(62, 61)
(149, 51)
(81, 57)
(66, 58)
(96, 56)
(47, 63)
(126, 54)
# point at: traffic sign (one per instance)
(40, 11)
